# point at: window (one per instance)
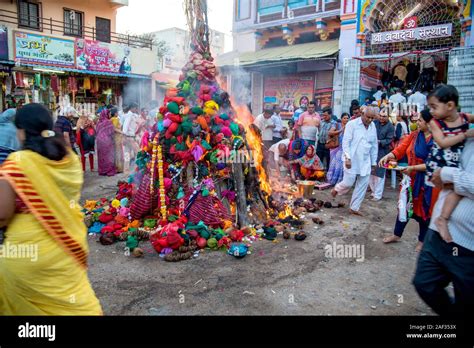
(298, 3)
(270, 6)
(243, 9)
(102, 27)
(73, 21)
(29, 14)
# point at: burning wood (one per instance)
(292, 221)
(287, 213)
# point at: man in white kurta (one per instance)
(360, 149)
(266, 123)
(130, 129)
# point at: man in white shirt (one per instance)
(123, 114)
(265, 123)
(397, 98)
(360, 148)
(130, 129)
(418, 99)
(378, 95)
(278, 124)
(279, 154)
(130, 125)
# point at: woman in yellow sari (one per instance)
(40, 188)
(118, 140)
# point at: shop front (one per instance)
(413, 46)
(5, 66)
(287, 76)
(84, 73)
(290, 91)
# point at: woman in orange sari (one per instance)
(40, 188)
(416, 148)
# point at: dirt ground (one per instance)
(286, 277)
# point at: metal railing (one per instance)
(53, 26)
(317, 7)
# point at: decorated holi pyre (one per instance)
(188, 191)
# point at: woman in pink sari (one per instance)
(105, 144)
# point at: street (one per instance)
(284, 278)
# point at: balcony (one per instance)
(51, 26)
(295, 11)
(119, 3)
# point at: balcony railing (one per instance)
(53, 26)
(289, 12)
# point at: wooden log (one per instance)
(221, 186)
(190, 175)
(254, 180)
(243, 219)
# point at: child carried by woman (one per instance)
(450, 130)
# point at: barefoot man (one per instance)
(360, 149)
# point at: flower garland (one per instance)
(162, 184)
(153, 164)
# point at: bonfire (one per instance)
(184, 194)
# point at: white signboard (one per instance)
(421, 33)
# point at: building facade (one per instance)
(287, 52)
(337, 51)
(425, 42)
(178, 43)
(53, 54)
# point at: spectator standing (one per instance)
(277, 136)
(308, 124)
(325, 126)
(385, 133)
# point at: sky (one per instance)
(141, 16)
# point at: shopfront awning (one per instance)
(312, 50)
(85, 72)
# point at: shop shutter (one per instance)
(324, 79)
(257, 93)
(461, 75)
(350, 82)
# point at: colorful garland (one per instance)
(162, 184)
(153, 164)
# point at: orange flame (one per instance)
(287, 212)
(245, 118)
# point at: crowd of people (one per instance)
(431, 143)
(113, 134)
(352, 151)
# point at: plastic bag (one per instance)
(405, 200)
